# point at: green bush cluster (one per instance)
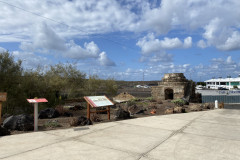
(178, 102)
(52, 124)
(57, 83)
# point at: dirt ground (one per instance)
(150, 109)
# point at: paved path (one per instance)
(210, 135)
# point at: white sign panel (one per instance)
(98, 101)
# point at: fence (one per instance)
(221, 98)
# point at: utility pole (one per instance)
(143, 80)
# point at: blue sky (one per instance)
(125, 39)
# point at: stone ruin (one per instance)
(174, 86)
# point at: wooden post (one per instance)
(108, 112)
(0, 111)
(88, 111)
(3, 98)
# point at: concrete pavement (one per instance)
(206, 135)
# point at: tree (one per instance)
(93, 85)
(65, 80)
(111, 87)
(10, 78)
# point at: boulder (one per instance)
(221, 105)
(169, 111)
(21, 122)
(134, 109)
(121, 114)
(48, 113)
(80, 121)
(124, 106)
(10, 123)
(4, 131)
(77, 107)
(178, 110)
(152, 106)
(208, 106)
(195, 107)
(67, 114)
(25, 122)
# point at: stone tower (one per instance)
(174, 86)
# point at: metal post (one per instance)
(35, 116)
(216, 104)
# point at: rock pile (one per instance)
(123, 97)
(80, 121)
(48, 113)
(4, 131)
(121, 114)
(21, 122)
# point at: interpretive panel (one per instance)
(98, 101)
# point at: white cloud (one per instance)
(45, 40)
(75, 51)
(218, 19)
(149, 44)
(231, 43)
(202, 44)
(158, 57)
(104, 60)
(229, 60)
(31, 60)
(2, 49)
(187, 42)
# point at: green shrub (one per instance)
(151, 99)
(178, 102)
(52, 124)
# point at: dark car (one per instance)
(221, 88)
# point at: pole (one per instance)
(0, 111)
(88, 111)
(35, 117)
(216, 104)
(108, 112)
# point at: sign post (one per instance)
(3, 98)
(98, 101)
(36, 101)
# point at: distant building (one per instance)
(174, 86)
(220, 82)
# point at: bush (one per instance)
(151, 99)
(235, 87)
(178, 102)
(52, 124)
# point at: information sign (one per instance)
(98, 101)
(36, 101)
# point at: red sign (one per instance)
(37, 100)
